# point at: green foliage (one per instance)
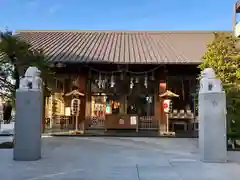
(223, 57)
(16, 56)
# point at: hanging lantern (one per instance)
(75, 110)
(131, 83)
(112, 83)
(75, 106)
(162, 85)
(146, 81)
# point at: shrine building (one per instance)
(113, 80)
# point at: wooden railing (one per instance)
(94, 122)
(148, 123)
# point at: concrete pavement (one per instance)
(95, 158)
(7, 129)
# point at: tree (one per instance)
(221, 55)
(16, 56)
(224, 58)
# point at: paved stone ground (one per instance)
(6, 128)
(116, 158)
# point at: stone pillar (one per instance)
(212, 119)
(28, 125)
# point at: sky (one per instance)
(116, 14)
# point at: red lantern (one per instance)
(166, 104)
(162, 86)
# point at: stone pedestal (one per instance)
(28, 125)
(212, 127)
(212, 119)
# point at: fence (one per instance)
(148, 123)
(66, 123)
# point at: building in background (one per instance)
(235, 20)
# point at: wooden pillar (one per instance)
(162, 89)
(88, 100)
(44, 114)
(163, 119)
(53, 119)
(157, 114)
(123, 101)
(158, 107)
(82, 88)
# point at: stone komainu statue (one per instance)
(31, 79)
(209, 82)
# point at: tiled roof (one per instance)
(121, 46)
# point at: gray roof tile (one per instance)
(142, 47)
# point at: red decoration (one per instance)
(165, 105)
(162, 85)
